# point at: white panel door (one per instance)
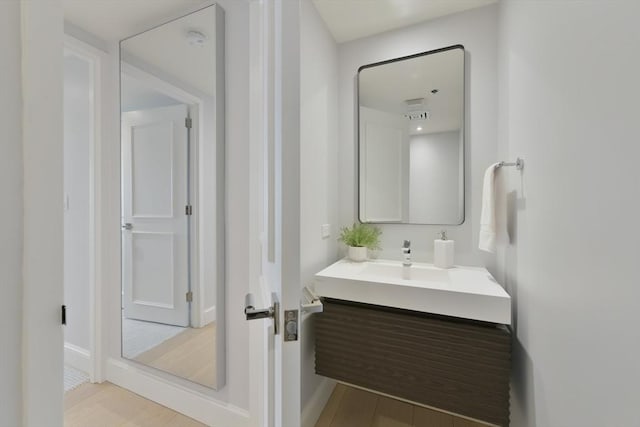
(155, 237)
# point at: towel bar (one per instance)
(519, 164)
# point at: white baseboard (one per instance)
(312, 410)
(77, 357)
(181, 399)
(209, 315)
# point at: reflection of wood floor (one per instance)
(190, 355)
(107, 405)
(352, 407)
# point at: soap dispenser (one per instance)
(406, 263)
(443, 251)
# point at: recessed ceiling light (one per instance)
(419, 128)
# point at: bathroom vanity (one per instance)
(439, 339)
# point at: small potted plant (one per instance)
(359, 238)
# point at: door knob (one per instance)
(127, 226)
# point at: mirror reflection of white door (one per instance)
(155, 237)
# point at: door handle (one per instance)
(127, 226)
(253, 313)
(311, 302)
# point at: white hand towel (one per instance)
(488, 216)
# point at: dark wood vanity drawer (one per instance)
(459, 366)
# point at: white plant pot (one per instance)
(357, 254)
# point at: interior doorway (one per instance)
(82, 332)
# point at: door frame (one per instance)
(94, 360)
(287, 170)
(275, 205)
(260, 135)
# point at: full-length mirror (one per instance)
(172, 195)
(411, 139)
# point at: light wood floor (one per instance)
(107, 405)
(190, 354)
(352, 407)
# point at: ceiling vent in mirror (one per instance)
(416, 109)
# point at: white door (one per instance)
(155, 239)
(275, 177)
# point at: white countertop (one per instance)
(465, 292)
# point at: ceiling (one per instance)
(166, 48)
(112, 20)
(353, 19)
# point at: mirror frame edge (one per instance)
(221, 198)
(221, 207)
(463, 217)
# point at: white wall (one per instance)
(477, 31)
(569, 106)
(207, 227)
(10, 215)
(77, 134)
(318, 182)
(136, 95)
(31, 240)
(434, 177)
(384, 167)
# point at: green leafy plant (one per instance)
(361, 235)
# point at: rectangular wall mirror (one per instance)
(172, 197)
(411, 139)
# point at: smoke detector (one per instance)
(196, 38)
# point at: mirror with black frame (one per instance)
(172, 196)
(411, 139)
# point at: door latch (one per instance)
(291, 325)
(253, 313)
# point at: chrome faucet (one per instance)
(406, 252)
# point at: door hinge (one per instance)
(188, 123)
(189, 296)
(63, 314)
(188, 210)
